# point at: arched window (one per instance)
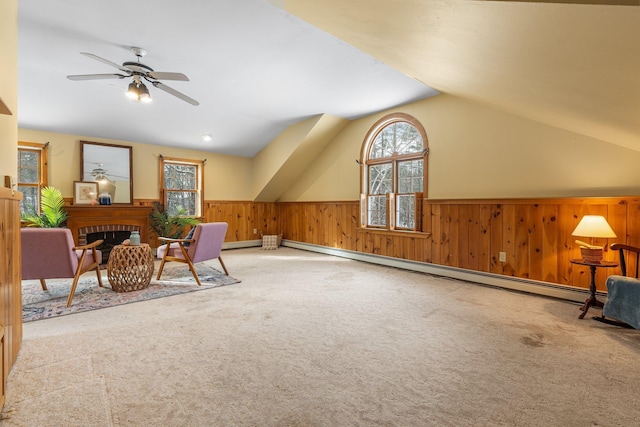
(394, 174)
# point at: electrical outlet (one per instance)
(502, 257)
(255, 231)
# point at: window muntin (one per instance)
(32, 173)
(398, 138)
(182, 186)
(394, 173)
(380, 179)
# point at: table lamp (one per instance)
(592, 226)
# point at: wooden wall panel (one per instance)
(549, 244)
(535, 234)
(495, 231)
(243, 218)
(10, 282)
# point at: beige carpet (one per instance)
(314, 340)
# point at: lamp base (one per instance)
(591, 254)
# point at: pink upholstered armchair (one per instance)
(49, 253)
(205, 244)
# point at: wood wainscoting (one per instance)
(535, 234)
(10, 283)
(243, 218)
(90, 216)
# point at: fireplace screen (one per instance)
(111, 239)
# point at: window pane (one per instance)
(408, 139)
(397, 138)
(181, 199)
(28, 166)
(383, 145)
(380, 179)
(377, 211)
(29, 198)
(180, 176)
(410, 176)
(405, 210)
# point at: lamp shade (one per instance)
(595, 226)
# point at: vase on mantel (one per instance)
(104, 199)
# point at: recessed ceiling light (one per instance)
(207, 137)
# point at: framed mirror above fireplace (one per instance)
(111, 166)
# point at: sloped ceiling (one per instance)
(571, 65)
(254, 69)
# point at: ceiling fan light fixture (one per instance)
(143, 93)
(132, 91)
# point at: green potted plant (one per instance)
(171, 226)
(52, 213)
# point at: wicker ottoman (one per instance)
(130, 268)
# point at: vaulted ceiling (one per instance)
(257, 67)
(254, 69)
(571, 64)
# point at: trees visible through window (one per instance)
(394, 173)
(32, 173)
(181, 186)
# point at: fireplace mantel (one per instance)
(89, 216)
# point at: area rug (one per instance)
(38, 304)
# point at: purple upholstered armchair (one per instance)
(205, 244)
(49, 253)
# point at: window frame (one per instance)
(199, 191)
(43, 169)
(394, 159)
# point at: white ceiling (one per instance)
(254, 68)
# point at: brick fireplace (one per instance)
(83, 220)
(103, 229)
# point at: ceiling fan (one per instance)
(138, 71)
(99, 173)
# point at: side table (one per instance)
(130, 268)
(593, 265)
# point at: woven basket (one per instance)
(591, 255)
(130, 267)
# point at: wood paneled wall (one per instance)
(10, 282)
(535, 234)
(243, 218)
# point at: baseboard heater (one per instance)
(514, 283)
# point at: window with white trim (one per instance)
(394, 174)
(181, 186)
(32, 173)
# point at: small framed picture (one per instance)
(84, 192)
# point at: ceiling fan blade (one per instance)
(105, 61)
(158, 75)
(95, 76)
(174, 92)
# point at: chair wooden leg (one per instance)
(73, 287)
(193, 271)
(95, 259)
(164, 259)
(223, 266)
(43, 284)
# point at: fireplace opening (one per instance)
(111, 239)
